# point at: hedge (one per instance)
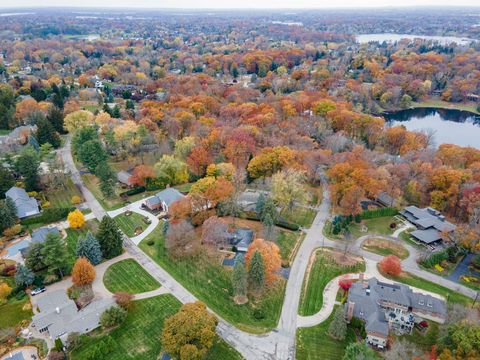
(279, 223)
(48, 216)
(133, 191)
(371, 214)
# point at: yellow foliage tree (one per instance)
(5, 290)
(78, 119)
(83, 272)
(76, 219)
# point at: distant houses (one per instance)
(387, 307)
(163, 199)
(430, 224)
(16, 138)
(26, 205)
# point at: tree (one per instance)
(25, 108)
(8, 214)
(270, 255)
(256, 271)
(46, 133)
(27, 164)
(81, 136)
(55, 117)
(462, 339)
(24, 276)
(338, 327)
(288, 187)
(141, 174)
(5, 290)
(55, 255)
(76, 219)
(183, 147)
(92, 153)
(89, 247)
(109, 237)
(173, 170)
(214, 232)
(345, 284)
(123, 299)
(270, 161)
(34, 260)
(107, 179)
(239, 281)
(391, 265)
(78, 119)
(190, 333)
(358, 351)
(181, 240)
(198, 160)
(113, 316)
(7, 106)
(210, 191)
(268, 227)
(403, 349)
(83, 272)
(6, 180)
(180, 209)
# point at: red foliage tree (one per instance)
(140, 175)
(391, 265)
(345, 284)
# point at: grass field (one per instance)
(74, 234)
(139, 337)
(5, 132)
(14, 311)
(376, 226)
(324, 269)
(208, 280)
(62, 197)
(129, 223)
(385, 247)
(314, 342)
(184, 188)
(287, 241)
(127, 275)
(299, 215)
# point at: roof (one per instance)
(40, 235)
(427, 236)
(26, 205)
(241, 239)
(16, 356)
(386, 199)
(153, 200)
(124, 177)
(247, 200)
(169, 196)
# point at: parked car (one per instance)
(37, 291)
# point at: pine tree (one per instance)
(27, 164)
(89, 247)
(55, 255)
(107, 179)
(259, 206)
(268, 226)
(256, 272)
(110, 238)
(55, 117)
(46, 133)
(239, 279)
(338, 327)
(34, 259)
(6, 180)
(8, 214)
(32, 141)
(23, 276)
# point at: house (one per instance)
(430, 224)
(40, 235)
(163, 199)
(384, 307)
(125, 178)
(59, 315)
(240, 239)
(26, 205)
(247, 200)
(16, 138)
(386, 200)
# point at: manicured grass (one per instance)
(74, 234)
(315, 343)
(128, 224)
(376, 226)
(385, 247)
(128, 275)
(92, 183)
(14, 311)
(184, 188)
(299, 215)
(5, 132)
(62, 197)
(208, 280)
(323, 270)
(472, 107)
(139, 337)
(287, 241)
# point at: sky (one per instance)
(212, 4)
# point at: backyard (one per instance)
(139, 337)
(385, 247)
(129, 276)
(299, 215)
(322, 269)
(208, 280)
(131, 223)
(375, 226)
(74, 234)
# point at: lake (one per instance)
(450, 126)
(365, 38)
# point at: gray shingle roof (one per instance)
(124, 177)
(241, 239)
(169, 195)
(26, 205)
(40, 235)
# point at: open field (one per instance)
(129, 224)
(299, 215)
(385, 247)
(129, 276)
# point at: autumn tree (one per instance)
(198, 160)
(141, 174)
(78, 119)
(391, 265)
(5, 290)
(83, 272)
(190, 333)
(110, 238)
(173, 170)
(76, 219)
(214, 232)
(270, 161)
(271, 258)
(210, 191)
(345, 284)
(288, 187)
(181, 240)
(181, 209)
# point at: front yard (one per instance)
(14, 311)
(375, 226)
(385, 247)
(208, 280)
(300, 216)
(62, 197)
(74, 234)
(129, 276)
(131, 224)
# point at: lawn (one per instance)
(385, 247)
(208, 280)
(299, 215)
(424, 340)
(74, 234)
(129, 224)
(472, 107)
(4, 132)
(184, 188)
(315, 343)
(128, 275)
(14, 311)
(287, 242)
(62, 197)
(139, 337)
(323, 270)
(376, 226)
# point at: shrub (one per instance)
(48, 216)
(12, 231)
(76, 219)
(150, 242)
(381, 212)
(45, 204)
(76, 200)
(391, 265)
(58, 345)
(434, 259)
(258, 314)
(113, 317)
(133, 191)
(123, 299)
(476, 261)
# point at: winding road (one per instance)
(279, 343)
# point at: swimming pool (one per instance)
(15, 248)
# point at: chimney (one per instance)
(350, 307)
(57, 310)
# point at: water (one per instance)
(445, 40)
(450, 126)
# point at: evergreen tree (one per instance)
(81, 136)
(32, 141)
(55, 255)
(92, 153)
(34, 259)
(268, 226)
(8, 214)
(55, 117)
(256, 271)
(46, 133)
(260, 205)
(107, 179)
(7, 107)
(24, 276)
(116, 112)
(89, 247)
(239, 279)
(6, 180)
(27, 164)
(110, 238)
(358, 351)
(338, 327)
(269, 209)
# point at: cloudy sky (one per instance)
(233, 4)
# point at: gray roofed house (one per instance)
(241, 239)
(247, 200)
(383, 307)
(386, 200)
(60, 316)
(430, 223)
(26, 205)
(163, 199)
(40, 235)
(124, 177)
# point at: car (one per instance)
(37, 291)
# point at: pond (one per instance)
(365, 38)
(450, 126)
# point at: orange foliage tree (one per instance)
(83, 272)
(271, 257)
(391, 265)
(140, 175)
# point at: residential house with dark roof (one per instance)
(388, 307)
(430, 224)
(163, 199)
(125, 178)
(247, 200)
(26, 205)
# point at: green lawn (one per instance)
(184, 188)
(323, 270)
(74, 234)
(129, 223)
(128, 275)
(315, 343)
(208, 280)
(299, 215)
(13, 312)
(472, 107)
(5, 132)
(376, 226)
(62, 197)
(385, 248)
(139, 337)
(287, 241)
